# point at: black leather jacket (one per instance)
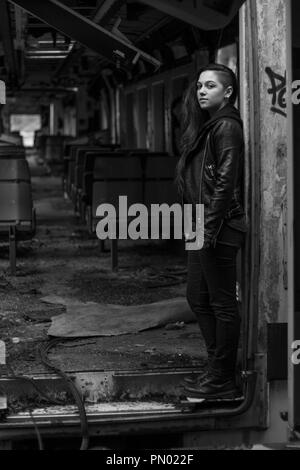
(214, 174)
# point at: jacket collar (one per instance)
(228, 111)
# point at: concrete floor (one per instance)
(64, 260)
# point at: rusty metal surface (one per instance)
(130, 415)
(98, 386)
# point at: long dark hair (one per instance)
(193, 117)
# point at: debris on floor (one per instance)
(92, 319)
(65, 261)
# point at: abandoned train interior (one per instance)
(91, 108)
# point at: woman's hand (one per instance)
(206, 245)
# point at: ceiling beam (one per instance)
(204, 14)
(106, 10)
(101, 14)
(20, 22)
(85, 31)
(44, 90)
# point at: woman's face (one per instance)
(211, 93)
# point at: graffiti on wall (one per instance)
(277, 91)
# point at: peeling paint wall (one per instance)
(263, 62)
(271, 24)
(269, 35)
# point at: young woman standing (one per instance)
(210, 172)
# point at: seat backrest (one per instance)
(75, 149)
(15, 202)
(13, 169)
(159, 167)
(10, 151)
(82, 147)
(117, 167)
(81, 151)
(90, 157)
(160, 192)
(134, 151)
(108, 192)
(54, 148)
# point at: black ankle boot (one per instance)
(196, 379)
(214, 388)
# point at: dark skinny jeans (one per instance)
(211, 294)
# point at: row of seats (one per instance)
(17, 216)
(50, 148)
(95, 175)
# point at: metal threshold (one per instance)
(116, 402)
(103, 386)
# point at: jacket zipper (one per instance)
(216, 236)
(202, 168)
(214, 241)
(211, 171)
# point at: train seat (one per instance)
(13, 169)
(10, 151)
(17, 215)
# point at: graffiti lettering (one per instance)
(278, 91)
(296, 353)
